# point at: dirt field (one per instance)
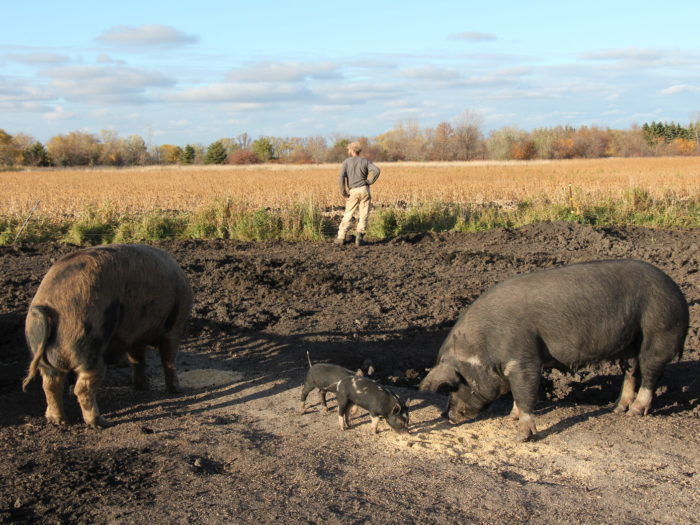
(233, 449)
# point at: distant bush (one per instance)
(243, 156)
(301, 157)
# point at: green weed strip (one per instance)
(232, 219)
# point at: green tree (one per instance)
(216, 153)
(264, 149)
(188, 155)
(36, 155)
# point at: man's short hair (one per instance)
(355, 146)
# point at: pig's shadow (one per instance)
(569, 422)
(678, 387)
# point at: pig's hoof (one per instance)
(100, 423)
(635, 411)
(56, 420)
(619, 410)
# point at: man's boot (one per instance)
(359, 239)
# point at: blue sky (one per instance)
(194, 72)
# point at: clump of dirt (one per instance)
(233, 448)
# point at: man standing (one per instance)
(354, 186)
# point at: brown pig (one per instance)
(97, 304)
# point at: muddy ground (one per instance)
(233, 449)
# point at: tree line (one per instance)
(462, 139)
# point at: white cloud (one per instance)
(182, 123)
(330, 108)
(243, 93)
(430, 73)
(473, 36)
(106, 59)
(12, 91)
(285, 72)
(246, 106)
(679, 88)
(37, 58)
(106, 84)
(154, 35)
(631, 53)
(59, 113)
(360, 93)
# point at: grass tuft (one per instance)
(230, 218)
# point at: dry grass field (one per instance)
(66, 193)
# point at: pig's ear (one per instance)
(396, 410)
(442, 374)
(359, 373)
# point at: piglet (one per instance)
(379, 402)
(325, 377)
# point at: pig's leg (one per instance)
(349, 412)
(375, 423)
(323, 399)
(304, 394)
(653, 356)
(137, 358)
(515, 412)
(630, 368)
(167, 347)
(53, 384)
(86, 391)
(524, 384)
(343, 406)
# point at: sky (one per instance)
(194, 72)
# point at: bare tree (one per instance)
(244, 140)
(441, 141)
(695, 128)
(468, 138)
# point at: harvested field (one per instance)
(62, 193)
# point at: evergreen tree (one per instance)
(36, 155)
(216, 153)
(188, 155)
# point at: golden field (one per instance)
(66, 192)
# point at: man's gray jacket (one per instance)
(354, 173)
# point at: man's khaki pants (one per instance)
(359, 202)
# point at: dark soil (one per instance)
(233, 449)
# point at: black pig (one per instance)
(325, 377)
(565, 317)
(365, 393)
(93, 306)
